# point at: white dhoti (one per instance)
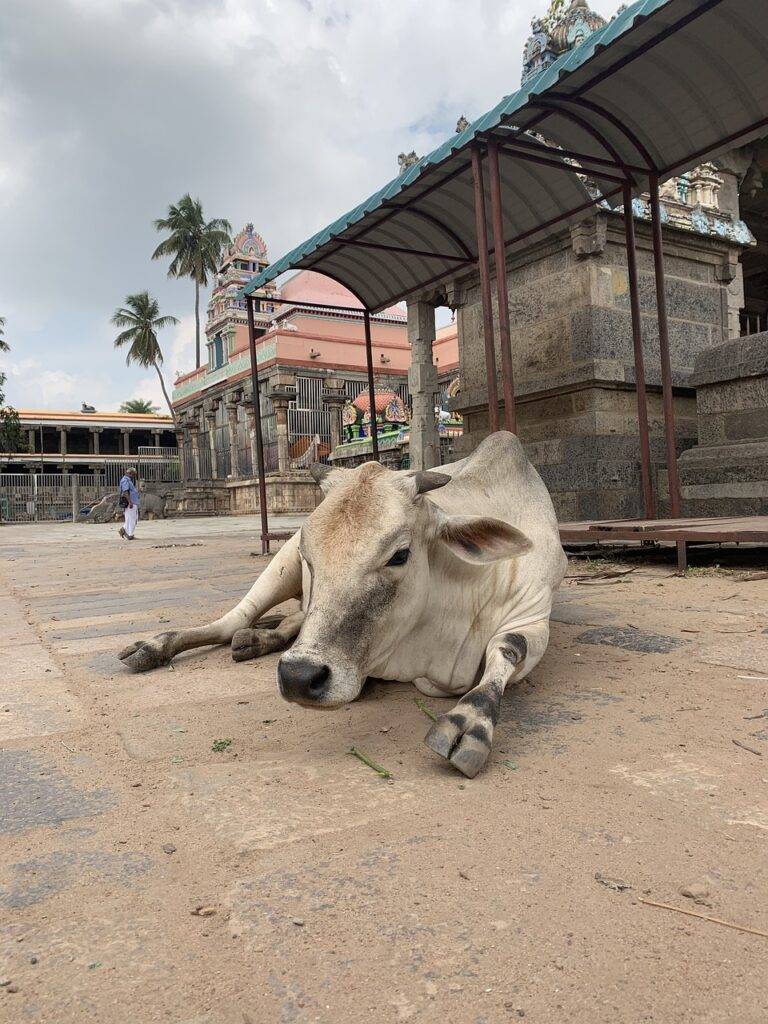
(131, 518)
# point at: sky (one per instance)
(286, 113)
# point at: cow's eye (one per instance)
(400, 557)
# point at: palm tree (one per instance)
(194, 247)
(141, 316)
(139, 405)
(4, 346)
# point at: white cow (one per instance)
(444, 579)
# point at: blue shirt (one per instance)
(127, 484)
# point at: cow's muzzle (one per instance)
(303, 680)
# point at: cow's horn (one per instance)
(426, 481)
(319, 471)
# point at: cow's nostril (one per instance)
(302, 679)
(317, 686)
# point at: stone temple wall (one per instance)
(726, 474)
(573, 362)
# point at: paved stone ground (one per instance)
(338, 896)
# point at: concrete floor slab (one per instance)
(147, 878)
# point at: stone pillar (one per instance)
(194, 438)
(62, 440)
(181, 444)
(31, 440)
(210, 424)
(731, 168)
(126, 432)
(422, 381)
(282, 390)
(252, 433)
(234, 454)
(334, 396)
(95, 431)
(156, 438)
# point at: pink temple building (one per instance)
(312, 368)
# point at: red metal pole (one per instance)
(371, 388)
(257, 427)
(481, 231)
(649, 503)
(666, 367)
(497, 220)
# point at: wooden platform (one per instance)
(681, 532)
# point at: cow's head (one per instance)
(367, 553)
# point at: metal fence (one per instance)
(48, 497)
(55, 497)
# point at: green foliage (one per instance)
(139, 405)
(194, 247)
(11, 434)
(141, 317)
(219, 746)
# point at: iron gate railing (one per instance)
(56, 497)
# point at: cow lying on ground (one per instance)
(444, 579)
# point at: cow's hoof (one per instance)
(245, 645)
(464, 744)
(145, 655)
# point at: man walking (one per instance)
(129, 501)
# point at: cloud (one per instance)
(283, 112)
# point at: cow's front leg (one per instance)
(254, 642)
(464, 735)
(280, 581)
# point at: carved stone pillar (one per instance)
(126, 432)
(194, 438)
(334, 397)
(95, 431)
(210, 424)
(282, 390)
(62, 440)
(234, 453)
(31, 440)
(422, 381)
(156, 436)
(252, 434)
(181, 444)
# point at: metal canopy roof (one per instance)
(666, 84)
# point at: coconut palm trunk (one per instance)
(197, 324)
(165, 394)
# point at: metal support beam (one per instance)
(481, 229)
(666, 367)
(249, 303)
(649, 503)
(513, 150)
(497, 221)
(371, 388)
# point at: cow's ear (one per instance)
(323, 475)
(480, 539)
(423, 481)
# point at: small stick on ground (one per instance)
(750, 749)
(423, 707)
(704, 917)
(371, 764)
